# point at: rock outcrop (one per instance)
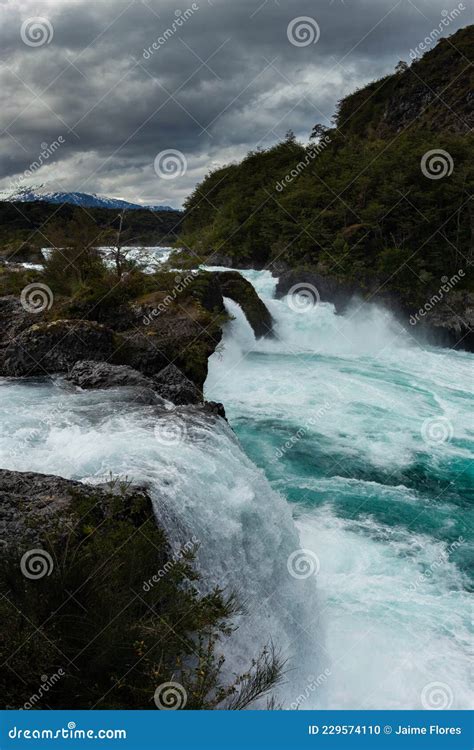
(170, 384)
(169, 344)
(234, 286)
(36, 506)
(89, 374)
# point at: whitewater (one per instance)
(336, 508)
(367, 434)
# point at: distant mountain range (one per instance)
(86, 200)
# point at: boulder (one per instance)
(55, 347)
(173, 385)
(90, 374)
(35, 506)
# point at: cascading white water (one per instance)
(333, 409)
(367, 434)
(203, 487)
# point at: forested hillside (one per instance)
(383, 197)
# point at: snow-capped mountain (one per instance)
(87, 200)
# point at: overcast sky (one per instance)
(223, 77)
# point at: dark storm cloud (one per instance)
(225, 80)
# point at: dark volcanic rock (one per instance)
(55, 347)
(234, 286)
(14, 318)
(450, 322)
(32, 505)
(173, 385)
(90, 374)
(216, 408)
(136, 349)
(170, 384)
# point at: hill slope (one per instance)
(381, 202)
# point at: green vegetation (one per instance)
(358, 205)
(24, 225)
(98, 623)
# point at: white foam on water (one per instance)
(203, 486)
(356, 634)
(394, 608)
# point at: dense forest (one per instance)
(24, 226)
(383, 196)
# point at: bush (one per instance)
(111, 639)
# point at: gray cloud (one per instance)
(226, 80)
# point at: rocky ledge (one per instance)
(97, 610)
(155, 342)
(34, 507)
